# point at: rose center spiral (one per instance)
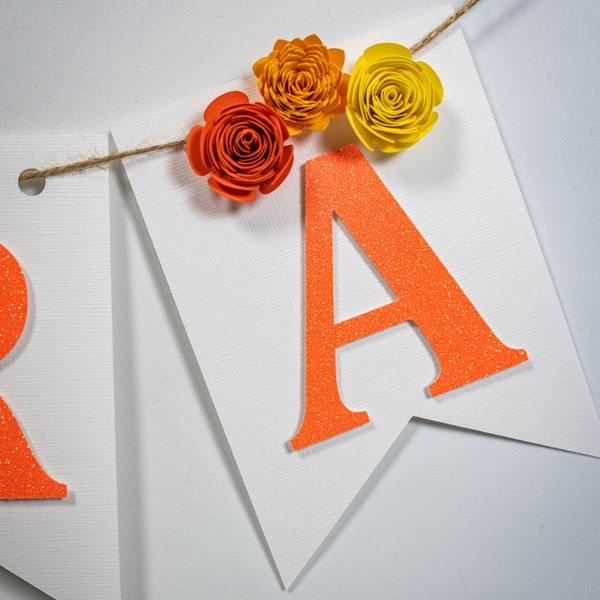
(247, 141)
(388, 99)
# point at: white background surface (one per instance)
(449, 514)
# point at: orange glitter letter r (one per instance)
(21, 476)
(467, 349)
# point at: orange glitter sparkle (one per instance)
(344, 182)
(13, 301)
(21, 476)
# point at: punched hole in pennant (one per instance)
(31, 186)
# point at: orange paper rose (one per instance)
(391, 98)
(302, 81)
(242, 146)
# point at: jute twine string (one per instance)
(98, 161)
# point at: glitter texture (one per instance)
(21, 476)
(13, 301)
(344, 182)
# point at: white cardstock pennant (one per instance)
(237, 275)
(58, 379)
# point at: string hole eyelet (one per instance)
(33, 186)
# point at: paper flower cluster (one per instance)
(389, 100)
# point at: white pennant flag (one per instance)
(57, 380)
(237, 276)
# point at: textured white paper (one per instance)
(237, 276)
(58, 380)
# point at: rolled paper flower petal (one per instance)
(391, 98)
(242, 146)
(302, 81)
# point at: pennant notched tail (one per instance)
(343, 182)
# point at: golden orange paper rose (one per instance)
(302, 81)
(391, 98)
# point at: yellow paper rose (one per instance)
(391, 98)
(302, 81)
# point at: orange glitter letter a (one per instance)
(467, 349)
